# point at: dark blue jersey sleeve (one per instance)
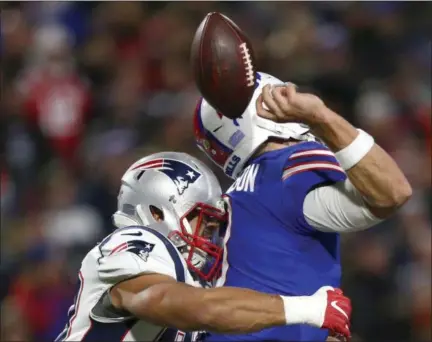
(310, 166)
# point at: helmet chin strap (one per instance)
(290, 130)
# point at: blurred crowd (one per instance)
(87, 88)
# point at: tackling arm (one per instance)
(228, 310)
(376, 176)
(170, 303)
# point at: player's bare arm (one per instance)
(376, 176)
(163, 301)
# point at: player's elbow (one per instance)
(401, 194)
(388, 204)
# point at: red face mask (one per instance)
(206, 222)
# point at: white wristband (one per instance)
(354, 152)
(303, 310)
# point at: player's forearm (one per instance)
(376, 176)
(229, 310)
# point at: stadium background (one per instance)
(86, 88)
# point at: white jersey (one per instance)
(126, 253)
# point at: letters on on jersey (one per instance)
(269, 245)
(246, 182)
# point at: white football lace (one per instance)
(248, 64)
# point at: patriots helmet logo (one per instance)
(180, 173)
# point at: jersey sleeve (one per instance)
(338, 208)
(132, 251)
(310, 166)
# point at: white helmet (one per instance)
(176, 188)
(230, 143)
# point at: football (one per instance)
(223, 64)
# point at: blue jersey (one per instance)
(270, 247)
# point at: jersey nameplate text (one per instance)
(246, 182)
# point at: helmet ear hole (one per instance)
(157, 213)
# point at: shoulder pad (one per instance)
(120, 238)
(308, 166)
(135, 250)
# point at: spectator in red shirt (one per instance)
(55, 97)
